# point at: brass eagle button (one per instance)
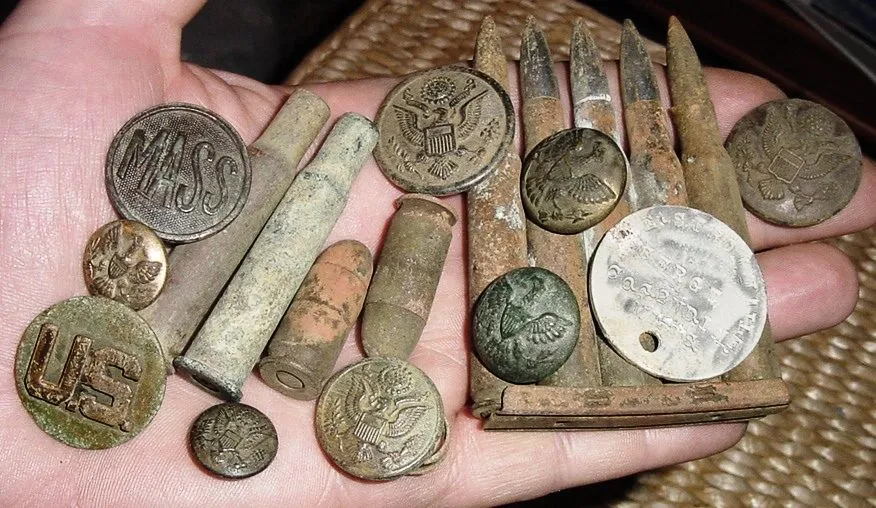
(90, 372)
(125, 261)
(572, 180)
(798, 164)
(443, 130)
(233, 440)
(380, 418)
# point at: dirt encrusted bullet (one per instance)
(561, 254)
(232, 338)
(406, 276)
(306, 345)
(709, 173)
(198, 271)
(495, 218)
(653, 163)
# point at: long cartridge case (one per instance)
(307, 343)
(406, 277)
(198, 271)
(232, 338)
(561, 254)
(496, 225)
(709, 173)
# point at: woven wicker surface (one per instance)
(822, 450)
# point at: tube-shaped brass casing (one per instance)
(198, 271)
(406, 276)
(232, 338)
(306, 344)
(709, 173)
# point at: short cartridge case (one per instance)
(406, 276)
(306, 345)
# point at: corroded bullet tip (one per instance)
(588, 78)
(536, 66)
(489, 57)
(686, 82)
(637, 77)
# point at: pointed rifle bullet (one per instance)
(708, 169)
(561, 254)
(654, 168)
(591, 97)
(495, 217)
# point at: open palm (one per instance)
(74, 71)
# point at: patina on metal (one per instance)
(678, 293)
(653, 164)
(125, 261)
(90, 373)
(444, 130)
(561, 254)
(798, 163)
(592, 107)
(572, 180)
(200, 270)
(495, 217)
(180, 169)
(709, 172)
(233, 440)
(380, 418)
(525, 325)
(307, 343)
(406, 276)
(231, 340)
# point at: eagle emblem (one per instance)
(379, 412)
(561, 174)
(439, 122)
(797, 148)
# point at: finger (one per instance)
(810, 287)
(491, 468)
(57, 15)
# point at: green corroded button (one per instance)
(526, 325)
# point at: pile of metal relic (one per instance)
(588, 266)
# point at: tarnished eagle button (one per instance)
(233, 440)
(443, 130)
(125, 261)
(572, 180)
(179, 169)
(90, 372)
(526, 325)
(380, 418)
(678, 293)
(798, 164)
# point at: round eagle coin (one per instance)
(233, 440)
(678, 293)
(180, 169)
(90, 372)
(526, 325)
(379, 419)
(797, 163)
(443, 130)
(572, 180)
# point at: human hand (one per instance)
(75, 71)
